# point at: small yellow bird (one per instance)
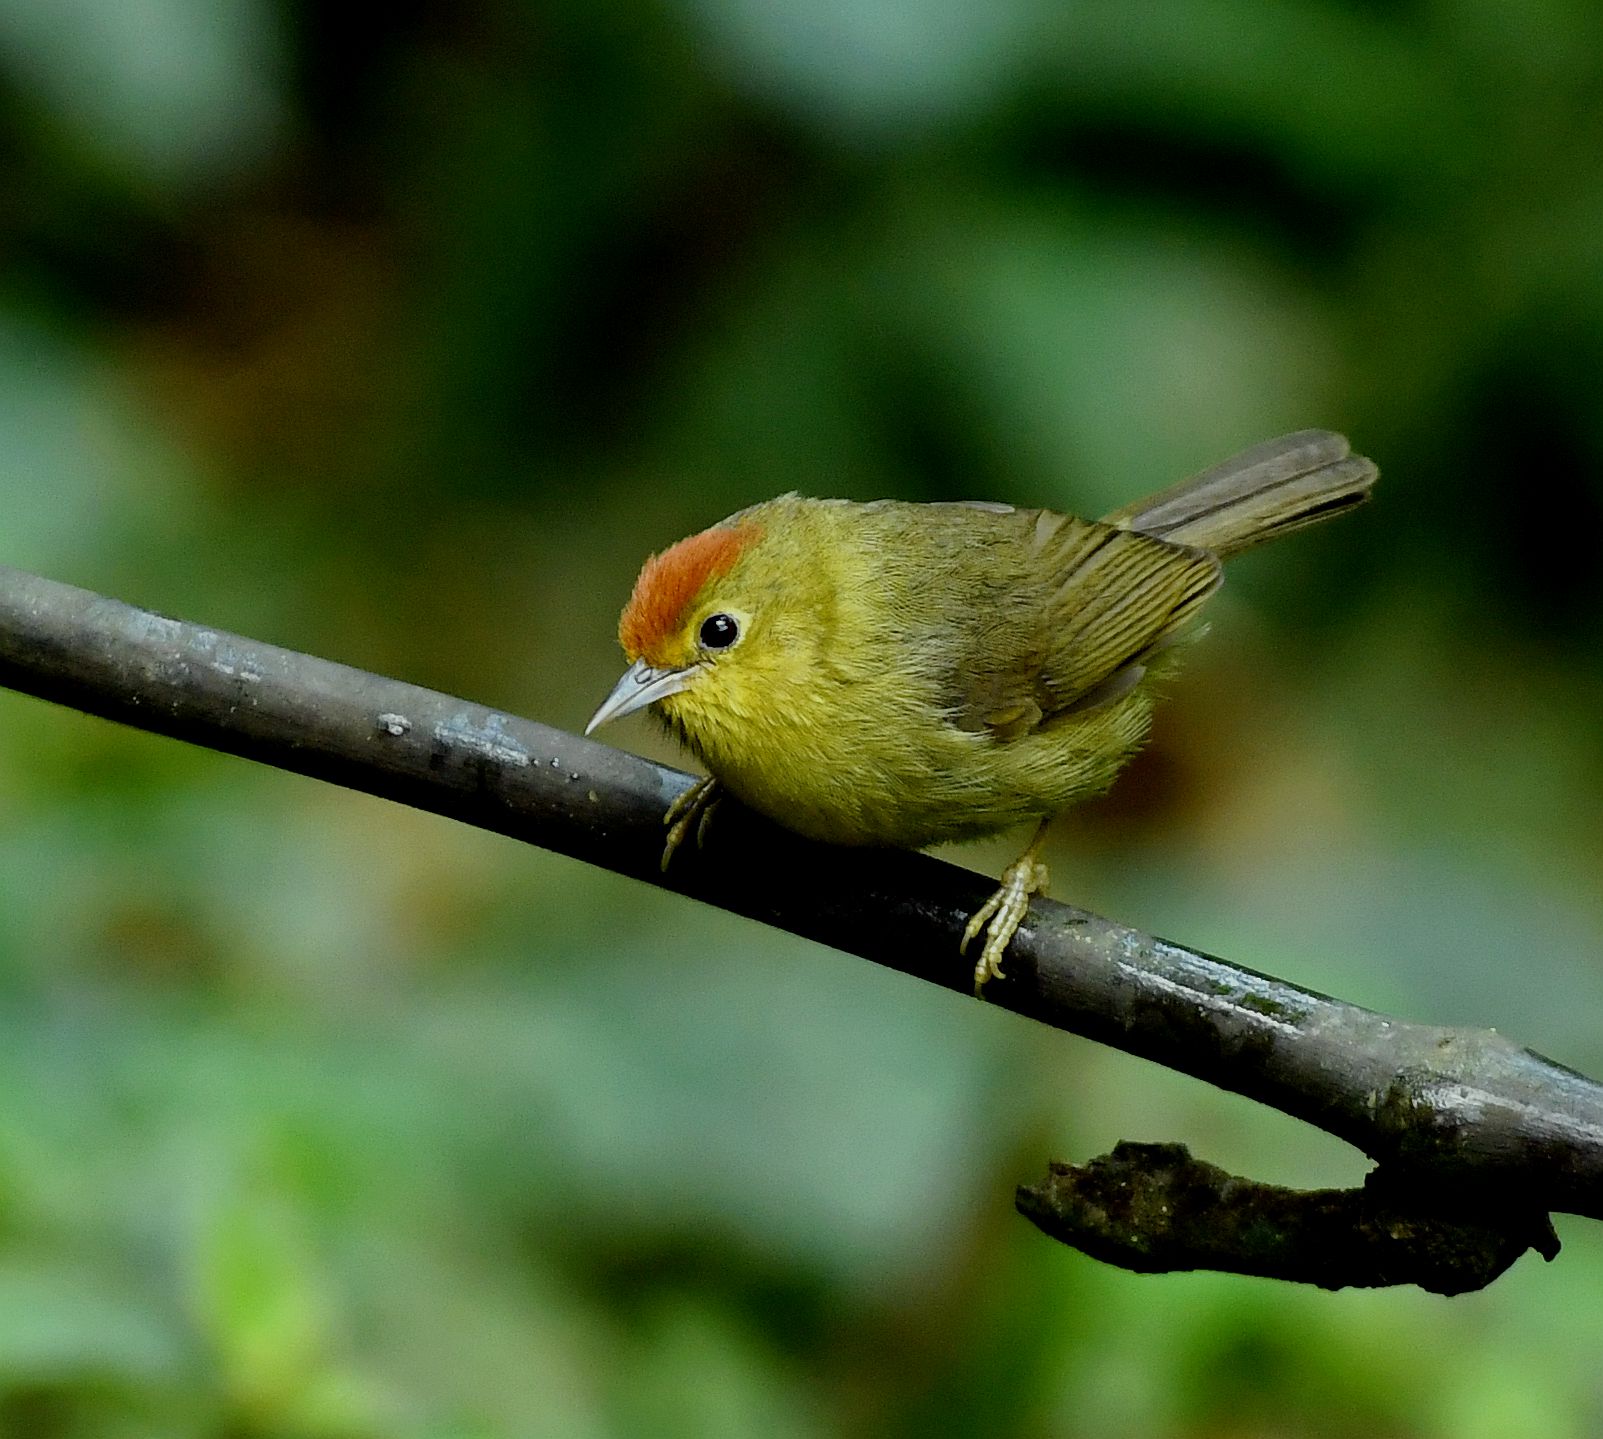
(905, 674)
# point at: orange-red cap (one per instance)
(670, 582)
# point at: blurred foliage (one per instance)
(400, 335)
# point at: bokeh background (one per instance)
(400, 334)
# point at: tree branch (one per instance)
(1444, 1112)
(1154, 1209)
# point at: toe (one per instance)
(978, 921)
(989, 968)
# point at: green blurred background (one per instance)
(401, 336)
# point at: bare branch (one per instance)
(1154, 1209)
(1442, 1110)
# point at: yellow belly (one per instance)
(909, 786)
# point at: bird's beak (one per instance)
(640, 686)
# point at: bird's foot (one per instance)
(1001, 915)
(692, 810)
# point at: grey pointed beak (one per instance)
(640, 686)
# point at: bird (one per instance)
(898, 674)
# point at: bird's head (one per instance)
(709, 630)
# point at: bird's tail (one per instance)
(1260, 494)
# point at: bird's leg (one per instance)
(1003, 912)
(692, 810)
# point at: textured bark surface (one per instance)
(1154, 1209)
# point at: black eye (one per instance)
(718, 632)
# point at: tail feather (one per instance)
(1260, 494)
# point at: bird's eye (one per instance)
(718, 632)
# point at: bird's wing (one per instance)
(1107, 599)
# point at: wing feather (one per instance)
(1117, 603)
(1104, 599)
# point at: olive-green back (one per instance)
(1019, 619)
(1027, 615)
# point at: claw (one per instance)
(708, 810)
(1000, 916)
(691, 810)
(977, 920)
